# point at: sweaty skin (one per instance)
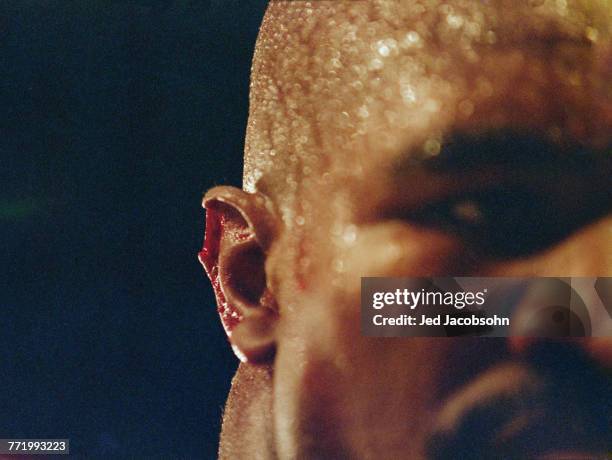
(346, 93)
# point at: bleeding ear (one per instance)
(239, 229)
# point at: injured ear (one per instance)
(239, 229)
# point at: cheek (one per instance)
(328, 313)
(330, 379)
(401, 250)
(345, 393)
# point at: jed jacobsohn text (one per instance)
(493, 307)
(439, 320)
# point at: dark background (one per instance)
(116, 117)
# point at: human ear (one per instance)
(239, 229)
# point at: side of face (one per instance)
(351, 103)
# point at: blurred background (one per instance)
(116, 117)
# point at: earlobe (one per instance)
(239, 229)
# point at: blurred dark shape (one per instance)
(552, 308)
(603, 287)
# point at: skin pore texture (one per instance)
(349, 99)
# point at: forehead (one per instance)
(339, 87)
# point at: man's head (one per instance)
(410, 138)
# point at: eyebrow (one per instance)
(502, 159)
(462, 152)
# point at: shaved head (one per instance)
(353, 107)
(341, 89)
(330, 74)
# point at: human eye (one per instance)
(509, 207)
(503, 222)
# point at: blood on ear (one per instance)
(209, 258)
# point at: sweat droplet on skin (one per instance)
(355, 79)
